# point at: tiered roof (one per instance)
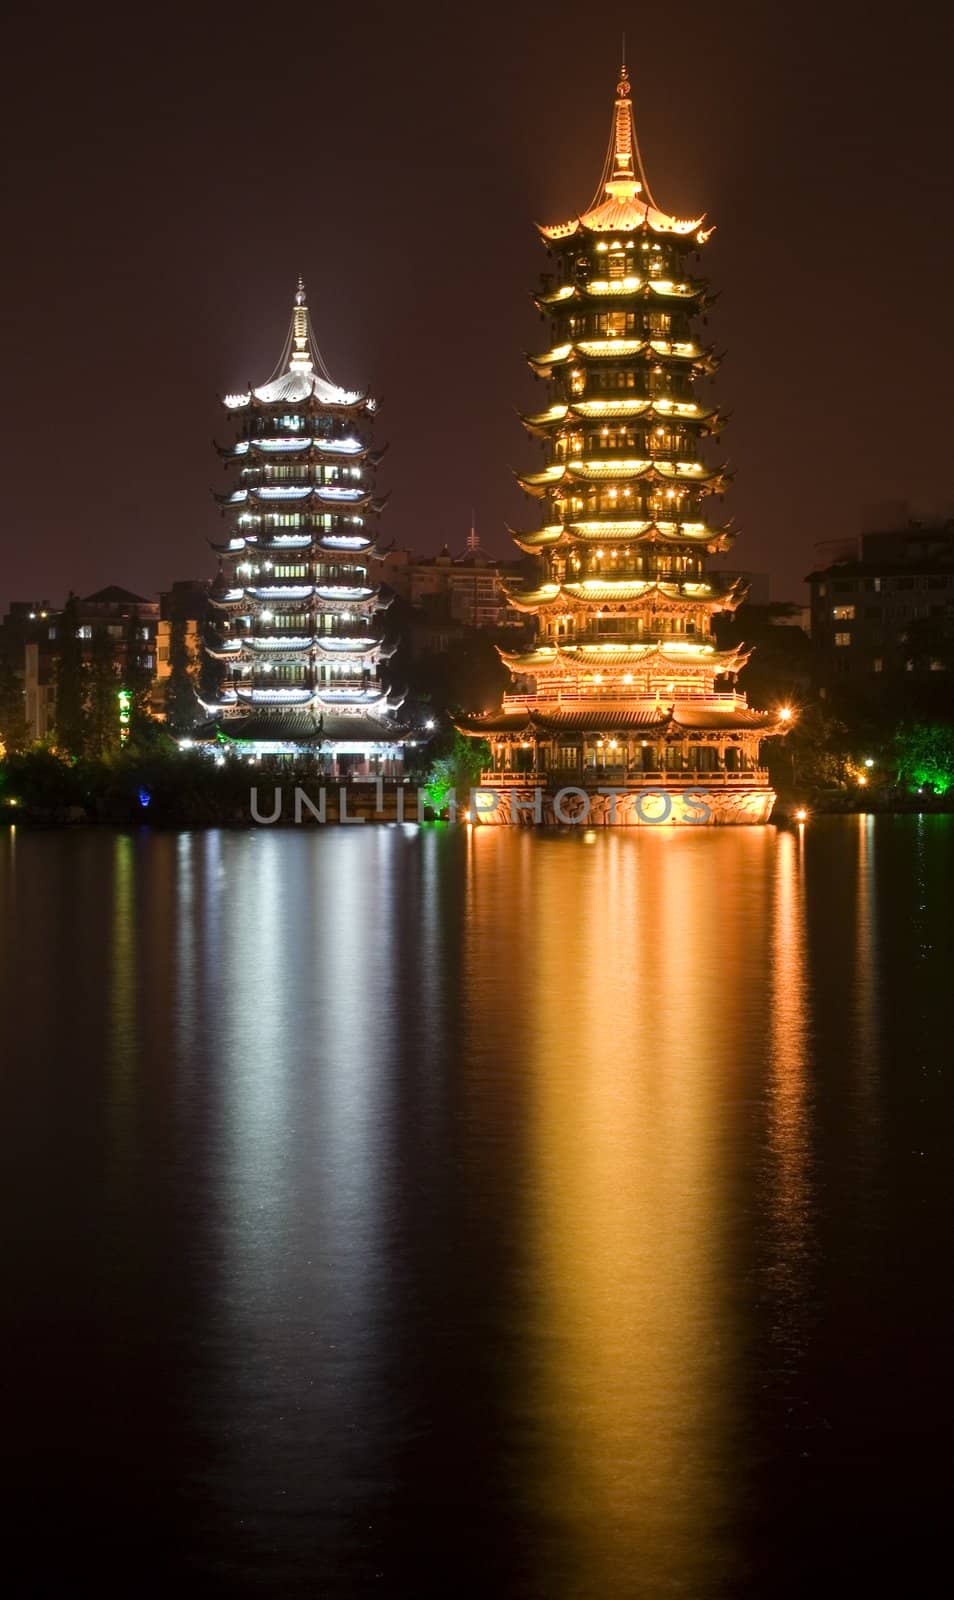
(296, 600)
(623, 602)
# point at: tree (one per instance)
(13, 729)
(103, 706)
(137, 673)
(71, 683)
(924, 753)
(818, 749)
(456, 768)
(182, 706)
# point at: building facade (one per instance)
(625, 685)
(468, 588)
(883, 611)
(300, 637)
(117, 633)
(183, 611)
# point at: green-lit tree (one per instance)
(924, 754)
(456, 768)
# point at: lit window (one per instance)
(842, 638)
(877, 664)
(844, 613)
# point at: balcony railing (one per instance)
(644, 701)
(604, 777)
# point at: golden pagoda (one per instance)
(625, 687)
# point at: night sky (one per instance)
(168, 173)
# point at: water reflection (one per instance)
(441, 1201)
(631, 1029)
(790, 1238)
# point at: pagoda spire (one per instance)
(300, 359)
(623, 177)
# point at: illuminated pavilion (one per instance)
(300, 638)
(625, 685)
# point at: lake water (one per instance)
(432, 1212)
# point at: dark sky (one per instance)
(168, 173)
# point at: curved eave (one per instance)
(610, 473)
(616, 293)
(568, 660)
(696, 534)
(539, 539)
(592, 593)
(356, 650)
(314, 494)
(530, 599)
(684, 352)
(631, 218)
(345, 403)
(703, 597)
(299, 450)
(743, 719)
(652, 469)
(545, 424)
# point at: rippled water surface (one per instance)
(426, 1212)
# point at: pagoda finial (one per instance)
(300, 352)
(623, 133)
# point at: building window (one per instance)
(877, 664)
(842, 638)
(84, 632)
(844, 613)
(872, 613)
(842, 587)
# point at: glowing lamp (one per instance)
(801, 814)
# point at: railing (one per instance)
(645, 701)
(567, 777)
(513, 780)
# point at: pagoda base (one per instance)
(688, 800)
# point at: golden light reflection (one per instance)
(631, 1018)
(122, 1007)
(866, 997)
(788, 1122)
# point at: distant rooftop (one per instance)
(113, 595)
